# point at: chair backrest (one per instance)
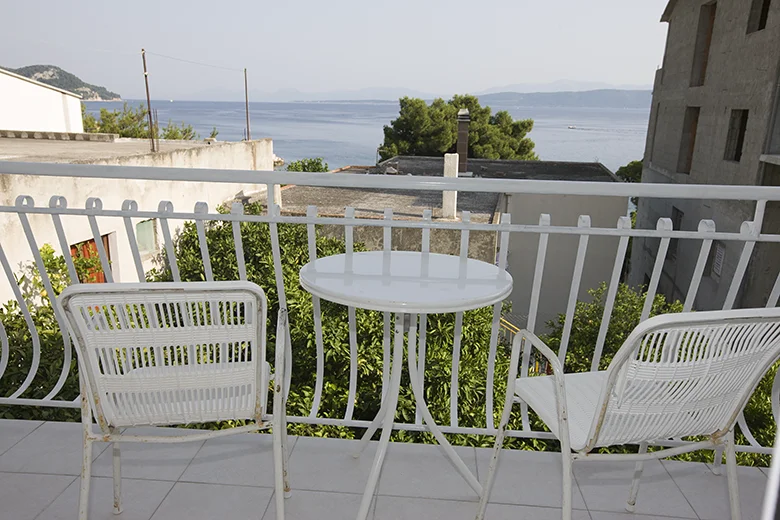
(689, 374)
(170, 353)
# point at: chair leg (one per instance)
(285, 456)
(566, 507)
(631, 504)
(731, 470)
(497, 448)
(86, 476)
(117, 478)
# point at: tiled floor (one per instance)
(233, 476)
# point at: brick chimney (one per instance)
(463, 139)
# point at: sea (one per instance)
(349, 132)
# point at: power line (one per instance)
(193, 62)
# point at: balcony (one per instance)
(40, 464)
(554, 260)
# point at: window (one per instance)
(701, 52)
(677, 217)
(688, 140)
(759, 12)
(86, 254)
(736, 137)
(146, 235)
(714, 266)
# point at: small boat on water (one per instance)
(572, 127)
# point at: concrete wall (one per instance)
(742, 74)
(26, 105)
(561, 250)
(253, 155)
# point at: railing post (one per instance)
(449, 202)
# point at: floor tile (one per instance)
(54, 448)
(149, 460)
(12, 431)
(402, 508)
(708, 493)
(23, 496)
(605, 487)
(528, 478)
(423, 470)
(318, 464)
(188, 501)
(605, 515)
(140, 499)
(243, 459)
(318, 505)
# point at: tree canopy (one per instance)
(315, 164)
(432, 130)
(130, 122)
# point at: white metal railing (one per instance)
(56, 208)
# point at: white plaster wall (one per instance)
(27, 106)
(564, 210)
(148, 194)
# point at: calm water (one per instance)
(349, 132)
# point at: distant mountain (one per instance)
(605, 98)
(56, 77)
(562, 85)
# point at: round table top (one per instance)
(406, 281)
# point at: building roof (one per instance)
(38, 83)
(46, 150)
(503, 169)
(370, 203)
(668, 11)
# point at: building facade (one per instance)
(714, 120)
(32, 106)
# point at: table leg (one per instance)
(432, 426)
(391, 398)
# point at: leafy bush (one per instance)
(308, 165)
(134, 123)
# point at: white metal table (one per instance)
(407, 283)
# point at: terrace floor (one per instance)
(233, 477)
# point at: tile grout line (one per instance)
(56, 497)
(23, 437)
(660, 461)
(176, 481)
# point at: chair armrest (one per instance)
(520, 344)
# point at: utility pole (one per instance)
(246, 99)
(148, 101)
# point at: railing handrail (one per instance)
(396, 182)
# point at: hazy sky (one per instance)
(314, 45)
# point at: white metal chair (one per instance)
(676, 375)
(174, 353)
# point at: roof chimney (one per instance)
(463, 139)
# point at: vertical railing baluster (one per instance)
(624, 223)
(583, 222)
(425, 249)
(465, 218)
(747, 231)
(705, 226)
(663, 225)
(202, 209)
(536, 289)
(94, 206)
(30, 325)
(311, 232)
(349, 214)
(129, 207)
(25, 202)
(165, 208)
(387, 237)
(237, 209)
(503, 254)
(57, 202)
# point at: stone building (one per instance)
(714, 120)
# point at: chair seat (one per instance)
(582, 395)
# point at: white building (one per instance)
(30, 105)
